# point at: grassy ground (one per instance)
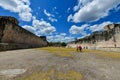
(104, 53)
(52, 74)
(59, 51)
(66, 52)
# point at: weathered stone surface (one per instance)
(6, 19)
(16, 36)
(107, 39)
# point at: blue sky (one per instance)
(62, 20)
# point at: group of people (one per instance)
(79, 48)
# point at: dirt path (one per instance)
(91, 66)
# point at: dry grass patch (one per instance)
(104, 53)
(52, 74)
(59, 51)
(66, 52)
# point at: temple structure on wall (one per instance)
(12, 36)
(109, 39)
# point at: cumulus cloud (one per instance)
(40, 27)
(69, 39)
(43, 27)
(82, 29)
(62, 37)
(25, 16)
(99, 27)
(29, 28)
(81, 3)
(22, 7)
(50, 38)
(78, 30)
(92, 10)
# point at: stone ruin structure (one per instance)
(109, 39)
(12, 36)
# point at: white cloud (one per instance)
(77, 6)
(29, 28)
(69, 17)
(40, 27)
(99, 27)
(84, 28)
(63, 34)
(43, 27)
(25, 16)
(78, 30)
(9, 5)
(60, 38)
(81, 3)
(93, 10)
(52, 19)
(22, 7)
(48, 14)
(69, 39)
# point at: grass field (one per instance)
(59, 51)
(66, 52)
(104, 53)
(52, 74)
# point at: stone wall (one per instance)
(102, 40)
(14, 35)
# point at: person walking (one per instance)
(80, 48)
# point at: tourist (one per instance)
(80, 48)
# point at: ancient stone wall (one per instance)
(12, 33)
(107, 39)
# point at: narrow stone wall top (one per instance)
(9, 18)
